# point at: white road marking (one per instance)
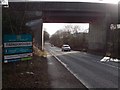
(108, 65)
(75, 75)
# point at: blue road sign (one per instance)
(18, 38)
(17, 50)
(17, 47)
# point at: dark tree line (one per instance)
(46, 36)
(13, 22)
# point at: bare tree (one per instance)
(69, 35)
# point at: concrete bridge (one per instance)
(98, 15)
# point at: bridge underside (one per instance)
(99, 16)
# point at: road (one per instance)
(88, 68)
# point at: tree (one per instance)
(70, 35)
(46, 35)
(13, 22)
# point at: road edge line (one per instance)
(68, 69)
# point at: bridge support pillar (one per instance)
(38, 35)
(98, 35)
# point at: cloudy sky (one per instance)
(51, 28)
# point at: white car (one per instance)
(66, 48)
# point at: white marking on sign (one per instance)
(17, 44)
(18, 56)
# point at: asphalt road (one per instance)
(60, 77)
(88, 68)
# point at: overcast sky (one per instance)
(51, 28)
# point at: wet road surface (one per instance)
(88, 68)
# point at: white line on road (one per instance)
(108, 65)
(52, 53)
(75, 75)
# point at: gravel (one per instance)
(26, 74)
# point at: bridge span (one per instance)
(99, 16)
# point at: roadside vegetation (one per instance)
(71, 35)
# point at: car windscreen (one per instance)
(66, 46)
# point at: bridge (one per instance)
(99, 16)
